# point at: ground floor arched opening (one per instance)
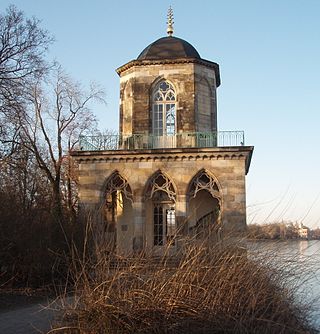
(118, 215)
(160, 218)
(204, 207)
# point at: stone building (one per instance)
(169, 173)
(303, 231)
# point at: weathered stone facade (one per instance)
(195, 83)
(145, 193)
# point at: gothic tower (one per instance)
(169, 173)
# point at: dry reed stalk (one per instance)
(216, 289)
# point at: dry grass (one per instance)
(216, 289)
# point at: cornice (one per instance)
(165, 155)
(148, 62)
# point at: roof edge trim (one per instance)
(146, 62)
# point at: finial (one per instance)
(170, 22)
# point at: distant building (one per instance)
(169, 173)
(303, 231)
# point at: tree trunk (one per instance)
(57, 208)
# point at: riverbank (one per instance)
(208, 290)
(217, 289)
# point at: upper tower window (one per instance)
(164, 110)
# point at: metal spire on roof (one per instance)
(170, 22)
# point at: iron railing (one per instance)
(179, 140)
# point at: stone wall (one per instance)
(205, 99)
(227, 165)
(195, 91)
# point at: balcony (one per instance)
(179, 140)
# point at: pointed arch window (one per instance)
(162, 193)
(164, 109)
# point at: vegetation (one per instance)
(204, 290)
(23, 46)
(42, 113)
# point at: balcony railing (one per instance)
(179, 140)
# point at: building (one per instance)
(303, 231)
(170, 172)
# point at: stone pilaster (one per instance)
(138, 221)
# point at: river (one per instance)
(303, 256)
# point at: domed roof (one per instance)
(168, 48)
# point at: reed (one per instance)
(206, 288)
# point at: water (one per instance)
(303, 257)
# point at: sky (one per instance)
(269, 55)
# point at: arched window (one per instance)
(118, 211)
(204, 202)
(161, 192)
(164, 110)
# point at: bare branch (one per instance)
(23, 45)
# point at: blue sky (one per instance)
(269, 53)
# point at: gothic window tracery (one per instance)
(160, 188)
(164, 109)
(204, 181)
(117, 183)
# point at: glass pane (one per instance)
(170, 96)
(170, 119)
(164, 86)
(158, 226)
(158, 96)
(157, 119)
(171, 224)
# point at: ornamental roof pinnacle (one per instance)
(170, 22)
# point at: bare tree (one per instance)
(42, 114)
(52, 125)
(23, 45)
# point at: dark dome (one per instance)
(169, 48)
